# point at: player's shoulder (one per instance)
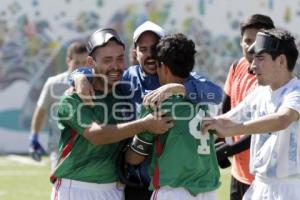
(241, 67)
(70, 99)
(59, 78)
(132, 71)
(175, 100)
(292, 88)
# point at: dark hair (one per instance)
(177, 53)
(287, 46)
(256, 21)
(76, 48)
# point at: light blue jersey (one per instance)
(274, 154)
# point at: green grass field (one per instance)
(23, 179)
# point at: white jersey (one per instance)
(274, 154)
(50, 95)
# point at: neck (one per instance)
(175, 79)
(281, 81)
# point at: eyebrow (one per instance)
(111, 57)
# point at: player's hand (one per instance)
(157, 122)
(82, 79)
(217, 127)
(84, 89)
(36, 150)
(156, 97)
(223, 150)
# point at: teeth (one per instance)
(113, 74)
(151, 62)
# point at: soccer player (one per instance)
(271, 114)
(91, 135)
(53, 89)
(183, 161)
(139, 80)
(239, 83)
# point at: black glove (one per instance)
(223, 150)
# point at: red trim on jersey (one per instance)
(66, 150)
(156, 168)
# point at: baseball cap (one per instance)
(147, 26)
(268, 43)
(100, 38)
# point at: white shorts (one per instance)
(167, 193)
(66, 189)
(273, 189)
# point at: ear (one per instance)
(90, 61)
(133, 52)
(282, 59)
(67, 61)
(165, 68)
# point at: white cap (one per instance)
(147, 26)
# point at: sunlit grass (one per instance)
(23, 179)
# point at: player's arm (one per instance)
(38, 119)
(265, 124)
(226, 106)
(196, 89)
(140, 147)
(99, 134)
(225, 150)
(35, 148)
(81, 79)
(142, 144)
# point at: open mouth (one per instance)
(114, 76)
(151, 64)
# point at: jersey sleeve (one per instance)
(200, 90)
(243, 111)
(145, 136)
(292, 101)
(74, 114)
(125, 86)
(45, 98)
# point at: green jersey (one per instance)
(78, 158)
(188, 157)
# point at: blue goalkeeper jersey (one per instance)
(137, 84)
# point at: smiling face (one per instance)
(144, 52)
(109, 61)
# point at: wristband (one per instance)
(34, 137)
(141, 147)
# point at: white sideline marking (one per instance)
(25, 160)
